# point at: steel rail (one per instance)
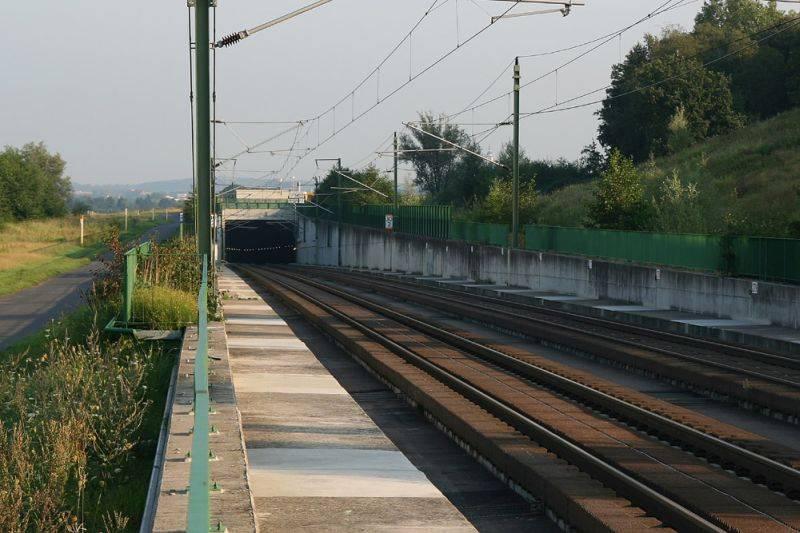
(689, 340)
(408, 288)
(672, 512)
(755, 463)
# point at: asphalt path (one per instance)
(27, 311)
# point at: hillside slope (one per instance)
(747, 182)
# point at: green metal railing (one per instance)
(253, 204)
(766, 258)
(701, 252)
(129, 278)
(423, 220)
(480, 232)
(757, 257)
(199, 476)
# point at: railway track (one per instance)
(766, 381)
(586, 453)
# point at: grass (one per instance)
(748, 181)
(163, 307)
(80, 415)
(35, 250)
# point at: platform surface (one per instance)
(316, 460)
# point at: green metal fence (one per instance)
(701, 252)
(766, 258)
(423, 220)
(757, 257)
(199, 475)
(480, 232)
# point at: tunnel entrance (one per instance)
(260, 241)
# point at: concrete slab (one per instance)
(265, 343)
(256, 321)
(626, 308)
(265, 382)
(516, 291)
(336, 473)
(560, 298)
(720, 322)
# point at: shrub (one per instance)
(69, 422)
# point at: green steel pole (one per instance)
(396, 197)
(515, 171)
(339, 214)
(203, 92)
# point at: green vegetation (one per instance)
(739, 63)
(164, 307)
(746, 182)
(80, 411)
(32, 251)
(32, 183)
(80, 415)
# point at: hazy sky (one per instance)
(105, 83)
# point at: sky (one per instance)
(106, 83)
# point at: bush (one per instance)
(164, 307)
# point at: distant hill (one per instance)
(165, 187)
(748, 181)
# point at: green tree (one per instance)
(32, 183)
(680, 135)
(496, 207)
(676, 207)
(747, 16)
(619, 201)
(438, 163)
(353, 192)
(644, 94)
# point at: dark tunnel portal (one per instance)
(260, 241)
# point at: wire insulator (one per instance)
(230, 40)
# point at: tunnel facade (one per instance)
(260, 241)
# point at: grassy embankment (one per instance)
(36, 250)
(747, 182)
(80, 411)
(79, 425)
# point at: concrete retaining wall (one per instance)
(321, 243)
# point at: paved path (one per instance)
(30, 310)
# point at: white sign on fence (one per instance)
(389, 222)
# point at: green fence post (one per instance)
(130, 284)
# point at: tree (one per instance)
(32, 183)
(645, 93)
(435, 166)
(352, 192)
(747, 16)
(619, 200)
(680, 136)
(497, 205)
(676, 209)
(593, 162)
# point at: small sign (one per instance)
(181, 216)
(389, 222)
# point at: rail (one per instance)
(199, 480)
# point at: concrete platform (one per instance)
(317, 461)
(753, 332)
